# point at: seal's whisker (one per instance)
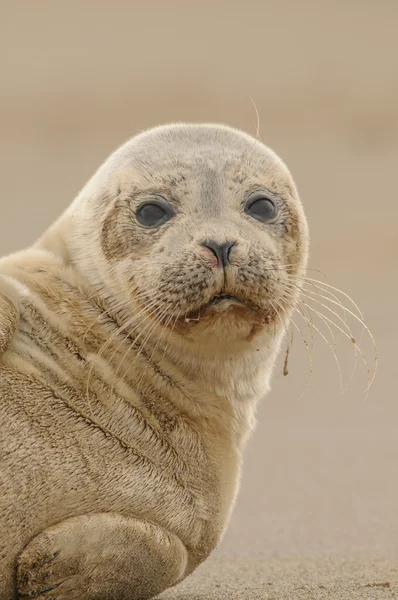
(370, 375)
(303, 291)
(151, 325)
(309, 325)
(285, 322)
(156, 325)
(309, 354)
(149, 330)
(316, 293)
(99, 317)
(316, 297)
(345, 324)
(153, 306)
(312, 296)
(140, 313)
(258, 119)
(131, 345)
(101, 350)
(293, 280)
(289, 342)
(337, 302)
(104, 346)
(331, 346)
(166, 325)
(322, 283)
(305, 342)
(366, 328)
(318, 289)
(172, 329)
(312, 324)
(114, 308)
(151, 358)
(283, 268)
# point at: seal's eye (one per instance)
(261, 208)
(154, 212)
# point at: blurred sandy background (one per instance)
(80, 77)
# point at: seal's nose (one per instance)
(221, 251)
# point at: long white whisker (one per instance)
(305, 342)
(105, 345)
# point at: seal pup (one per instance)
(136, 337)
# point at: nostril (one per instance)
(221, 251)
(228, 248)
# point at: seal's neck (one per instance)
(241, 372)
(238, 380)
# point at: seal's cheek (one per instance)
(121, 236)
(110, 233)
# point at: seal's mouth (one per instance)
(224, 304)
(223, 297)
(221, 304)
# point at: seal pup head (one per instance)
(199, 227)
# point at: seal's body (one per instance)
(136, 337)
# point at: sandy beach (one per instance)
(284, 579)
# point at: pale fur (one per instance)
(120, 460)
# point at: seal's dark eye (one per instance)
(154, 212)
(261, 208)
